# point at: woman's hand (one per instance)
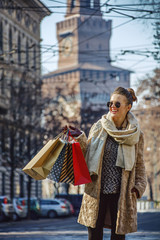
(136, 191)
(74, 132)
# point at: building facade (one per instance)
(20, 93)
(81, 86)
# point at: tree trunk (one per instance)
(29, 184)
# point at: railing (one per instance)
(146, 205)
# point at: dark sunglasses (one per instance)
(117, 104)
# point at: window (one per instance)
(21, 183)
(27, 20)
(34, 58)
(35, 26)
(1, 37)
(36, 188)
(10, 40)
(97, 74)
(10, 7)
(3, 149)
(2, 82)
(100, 47)
(3, 183)
(19, 50)
(47, 202)
(92, 4)
(19, 14)
(27, 55)
(87, 45)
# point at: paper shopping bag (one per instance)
(81, 173)
(40, 166)
(55, 172)
(62, 170)
(67, 173)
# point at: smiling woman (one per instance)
(114, 155)
(120, 104)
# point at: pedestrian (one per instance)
(114, 155)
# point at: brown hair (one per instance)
(128, 93)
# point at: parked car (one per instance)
(20, 210)
(69, 205)
(6, 208)
(74, 199)
(34, 207)
(52, 208)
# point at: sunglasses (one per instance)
(117, 104)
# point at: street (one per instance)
(69, 229)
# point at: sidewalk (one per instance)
(72, 235)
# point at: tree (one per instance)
(148, 112)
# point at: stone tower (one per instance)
(82, 84)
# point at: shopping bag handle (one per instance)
(68, 135)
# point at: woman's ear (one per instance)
(129, 107)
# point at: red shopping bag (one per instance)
(81, 173)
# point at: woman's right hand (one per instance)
(75, 132)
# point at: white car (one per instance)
(6, 208)
(20, 211)
(52, 208)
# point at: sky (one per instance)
(127, 34)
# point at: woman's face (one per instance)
(119, 114)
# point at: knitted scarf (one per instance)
(126, 138)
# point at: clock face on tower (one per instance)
(67, 46)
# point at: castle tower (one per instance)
(83, 36)
(82, 84)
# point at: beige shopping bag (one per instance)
(40, 166)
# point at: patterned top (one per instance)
(111, 174)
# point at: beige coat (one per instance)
(127, 205)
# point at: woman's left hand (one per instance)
(136, 191)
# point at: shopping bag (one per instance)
(81, 173)
(70, 166)
(55, 172)
(67, 173)
(62, 170)
(40, 166)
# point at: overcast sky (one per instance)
(127, 34)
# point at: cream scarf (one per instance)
(126, 138)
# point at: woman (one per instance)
(114, 154)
